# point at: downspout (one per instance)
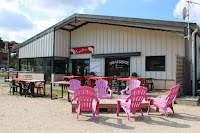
(193, 63)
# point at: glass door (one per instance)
(80, 67)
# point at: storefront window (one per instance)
(60, 65)
(117, 67)
(155, 63)
(23, 65)
(39, 65)
(31, 64)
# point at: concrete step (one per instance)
(188, 100)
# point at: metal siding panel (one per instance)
(109, 39)
(105, 39)
(113, 36)
(125, 39)
(129, 40)
(121, 40)
(134, 40)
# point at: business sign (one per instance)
(82, 50)
(119, 63)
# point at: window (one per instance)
(60, 65)
(155, 63)
(31, 65)
(39, 65)
(117, 66)
(4, 60)
(23, 64)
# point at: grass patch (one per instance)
(56, 92)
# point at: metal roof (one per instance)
(78, 20)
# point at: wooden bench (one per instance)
(109, 104)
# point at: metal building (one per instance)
(109, 46)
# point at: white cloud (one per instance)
(58, 8)
(193, 10)
(22, 19)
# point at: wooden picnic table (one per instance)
(129, 79)
(66, 83)
(32, 84)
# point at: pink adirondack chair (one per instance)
(137, 95)
(165, 101)
(84, 97)
(74, 84)
(102, 87)
(132, 84)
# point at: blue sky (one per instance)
(22, 19)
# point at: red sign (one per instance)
(6, 47)
(82, 50)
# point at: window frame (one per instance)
(159, 70)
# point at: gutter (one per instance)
(193, 63)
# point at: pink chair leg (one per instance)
(128, 114)
(93, 112)
(148, 109)
(165, 111)
(171, 107)
(118, 107)
(157, 109)
(78, 112)
(142, 114)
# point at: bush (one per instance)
(92, 73)
(134, 74)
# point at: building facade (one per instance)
(111, 46)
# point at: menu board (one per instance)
(95, 66)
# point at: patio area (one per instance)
(39, 114)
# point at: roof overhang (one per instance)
(78, 20)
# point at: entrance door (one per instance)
(80, 67)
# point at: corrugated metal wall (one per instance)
(118, 39)
(62, 41)
(42, 47)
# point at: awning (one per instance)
(117, 55)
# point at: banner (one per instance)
(82, 50)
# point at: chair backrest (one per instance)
(85, 96)
(39, 84)
(173, 94)
(133, 84)
(102, 86)
(137, 95)
(74, 84)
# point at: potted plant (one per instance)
(134, 74)
(92, 73)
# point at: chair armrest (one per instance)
(71, 91)
(122, 91)
(163, 97)
(111, 92)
